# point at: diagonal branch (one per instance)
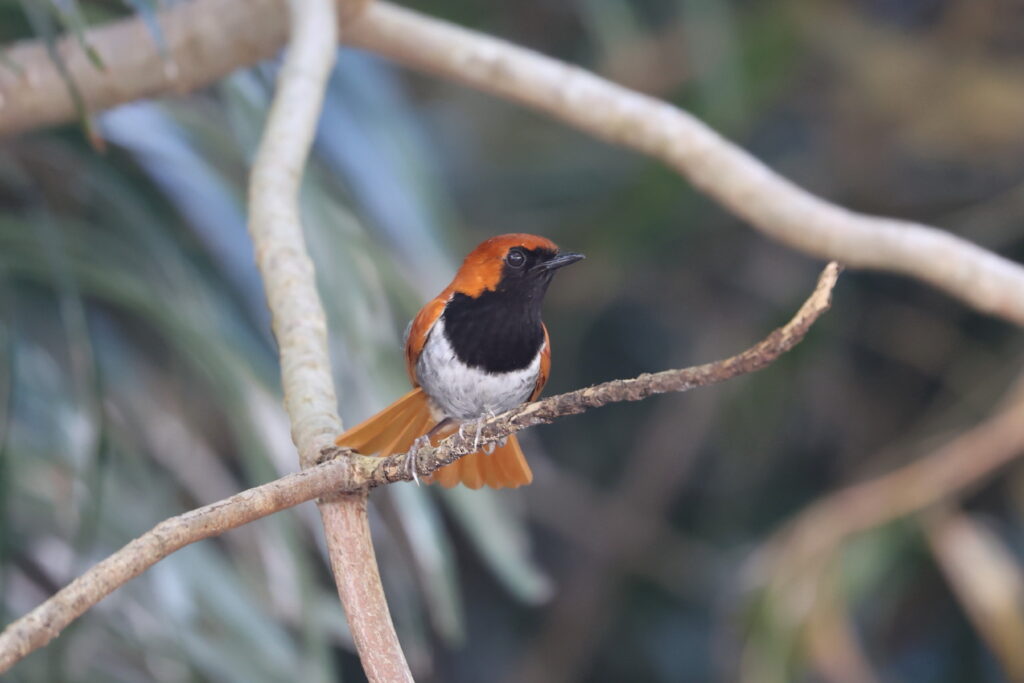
(357, 474)
(959, 464)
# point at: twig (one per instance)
(356, 474)
(747, 187)
(300, 325)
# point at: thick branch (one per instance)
(298, 319)
(198, 54)
(740, 182)
(205, 41)
(300, 325)
(357, 474)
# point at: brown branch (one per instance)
(959, 464)
(357, 474)
(198, 55)
(45, 622)
(798, 557)
(300, 325)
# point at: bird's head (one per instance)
(517, 264)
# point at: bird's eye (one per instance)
(515, 258)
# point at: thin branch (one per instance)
(395, 467)
(45, 622)
(300, 325)
(198, 55)
(963, 462)
(357, 474)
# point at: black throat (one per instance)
(500, 330)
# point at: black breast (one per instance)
(498, 331)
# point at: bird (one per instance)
(477, 349)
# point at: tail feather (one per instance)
(506, 467)
(512, 464)
(449, 475)
(394, 429)
(374, 433)
(472, 476)
(405, 437)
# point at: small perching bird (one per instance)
(477, 349)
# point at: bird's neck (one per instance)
(497, 331)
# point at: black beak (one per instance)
(560, 260)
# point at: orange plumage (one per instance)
(478, 347)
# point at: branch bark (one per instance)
(198, 55)
(33, 94)
(300, 325)
(357, 474)
(744, 185)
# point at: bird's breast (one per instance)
(466, 392)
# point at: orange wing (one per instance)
(419, 330)
(545, 365)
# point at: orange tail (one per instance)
(506, 467)
(394, 429)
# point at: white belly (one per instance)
(466, 393)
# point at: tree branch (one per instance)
(198, 55)
(714, 165)
(356, 474)
(45, 622)
(300, 325)
(205, 41)
(959, 464)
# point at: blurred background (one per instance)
(138, 377)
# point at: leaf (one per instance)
(42, 23)
(70, 16)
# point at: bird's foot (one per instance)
(479, 427)
(410, 456)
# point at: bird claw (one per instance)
(410, 456)
(488, 448)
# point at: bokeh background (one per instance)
(138, 376)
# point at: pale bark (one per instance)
(300, 325)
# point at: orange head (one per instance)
(509, 258)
